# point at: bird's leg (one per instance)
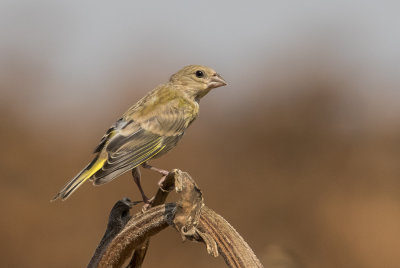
(136, 179)
(163, 172)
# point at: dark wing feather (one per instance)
(120, 124)
(127, 152)
(131, 143)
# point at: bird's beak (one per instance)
(216, 81)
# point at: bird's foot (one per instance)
(161, 183)
(147, 204)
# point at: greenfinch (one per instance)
(148, 129)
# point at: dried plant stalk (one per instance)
(190, 217)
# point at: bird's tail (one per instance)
(79, 179)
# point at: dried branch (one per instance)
(140, 253)
(119, 216)
(190, 217)
(235, 251)
(136, 232)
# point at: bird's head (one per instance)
(197, 80)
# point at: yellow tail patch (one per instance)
(89, 173)
(81, 178)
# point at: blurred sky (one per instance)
(77, 50)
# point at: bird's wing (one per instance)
(131, 142)
(170, 121)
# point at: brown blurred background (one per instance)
(300, 152)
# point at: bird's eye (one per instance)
(199, 74)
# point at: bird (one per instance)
(148, 129)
